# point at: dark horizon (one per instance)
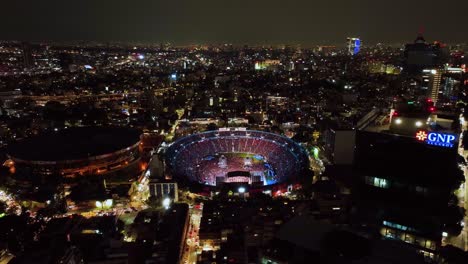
(183, 22)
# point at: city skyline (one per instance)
(211, 22)
(233, 132)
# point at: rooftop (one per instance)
(74, 143)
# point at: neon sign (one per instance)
(436, 139)
(421, 136)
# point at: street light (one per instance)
(166, 203)
(241, 190)
(106, 204)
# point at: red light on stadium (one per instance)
(421, 135)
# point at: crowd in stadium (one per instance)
(186, 154)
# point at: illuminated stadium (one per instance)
(240, 156)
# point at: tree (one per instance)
(453, 255)
(211, 127)
(3, 208)
(54, 110)
(88, 190)
(154, 201)
(452, 217)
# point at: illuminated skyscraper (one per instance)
(449, 85)
(431, 81)
(354, 46)
(434, 85)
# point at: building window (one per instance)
(427, 255)
(421, 190)
(390, 233)
(430, 245)
(409, 238)
(377, 182)
(398, 226)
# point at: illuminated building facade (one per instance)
(431, 81)
(406, 178)
(409, 172)
(162, 190)
(353, 45)
(267, 64)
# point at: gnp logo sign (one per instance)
(436, 139)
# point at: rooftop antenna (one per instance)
(420, 38)
(421, 31)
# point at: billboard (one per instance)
(437, 139)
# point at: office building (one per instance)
(405, 176)
(353, 45)
(162, 190)
(422, 55)
(434, 85)
(28, 60)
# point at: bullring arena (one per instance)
(77, 151)
(237, 155)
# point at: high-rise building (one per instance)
(406, 174)
(28, 60)
(435, 78)
(438, 82)
(354, 46)
(422, 55)
(449, 86)
(65, 61)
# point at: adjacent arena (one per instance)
(77, 151)
(248, 157)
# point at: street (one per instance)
(461, 241)
(190, 254)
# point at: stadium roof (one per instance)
(74, 143)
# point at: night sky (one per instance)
(307, 22)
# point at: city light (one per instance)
(166, 203)
(191, 138)
(108, 203)
(316, 152)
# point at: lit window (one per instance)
(377, 182)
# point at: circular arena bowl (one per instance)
(77, 151)
(255, 158)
